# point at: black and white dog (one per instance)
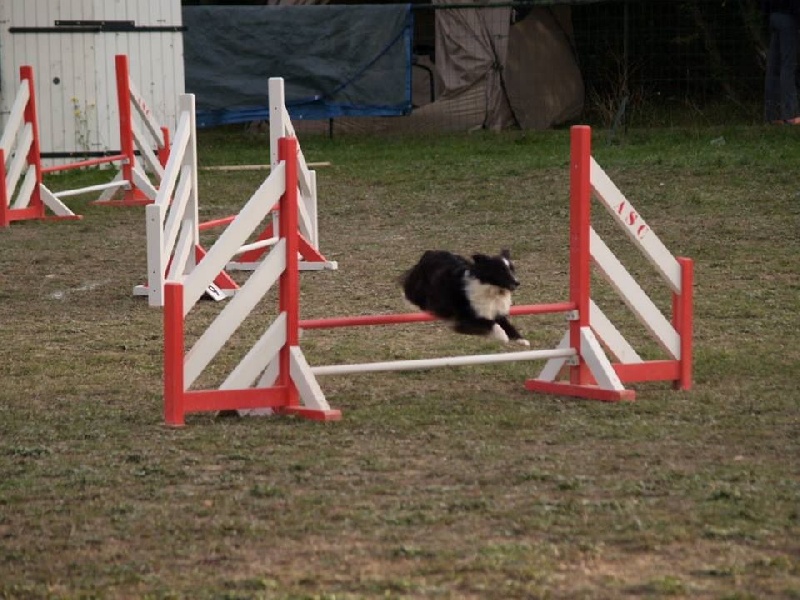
(473, 296)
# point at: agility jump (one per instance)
(274, 373)
(20, 156)
(172, 221)
(280, 125)
(173, 226)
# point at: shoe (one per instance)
(794, 121)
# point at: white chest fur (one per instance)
(489, 301)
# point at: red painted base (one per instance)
(310, 413)
(588, 392)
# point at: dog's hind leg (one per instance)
(511, 331)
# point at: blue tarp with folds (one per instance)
(335, 60)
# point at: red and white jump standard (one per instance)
(21, 141)
(173, 227)
(274, 373)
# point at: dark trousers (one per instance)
(780, 88)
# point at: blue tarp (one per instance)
(335, 60)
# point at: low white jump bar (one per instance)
(92, 188)
(446, 361)
(257, 245)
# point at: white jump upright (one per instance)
(20, 152)
(20, 157)
(274, 373)
(169, 251)
(280, 125)
(172, 222)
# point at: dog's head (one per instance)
(495, 270)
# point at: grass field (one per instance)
(454, 483)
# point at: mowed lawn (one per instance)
(449, 483)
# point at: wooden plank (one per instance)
(446, 361)
(233, 315)
(256, 361)
(253, 167)
(14, 120)
(610, 336)
(635, 227)
(234, 236)
(634, 296)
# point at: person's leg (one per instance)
(787, 31)
(772, 102)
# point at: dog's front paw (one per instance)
(498, 333)
(522, 342)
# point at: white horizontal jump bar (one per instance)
(257, 245)
(92, 188)
(447, 361)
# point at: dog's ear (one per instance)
(479, 258)
(505, 253)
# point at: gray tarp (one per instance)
(335, 60)
(494, 71)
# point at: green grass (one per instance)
(453, 483)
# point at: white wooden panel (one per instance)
(19, 162)
(156, 258)
(228, 321)
(598, 363)
(26, 189)
(14, 121)
(50, 201)
(610, 336)
(255, 362)
(311, 395)
(176, 214)
(182, 254)
(634, 296)
(141, 181)
(248, 219)
(553, 366)
(174, 167)
(634, 225)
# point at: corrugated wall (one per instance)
(74, 71)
